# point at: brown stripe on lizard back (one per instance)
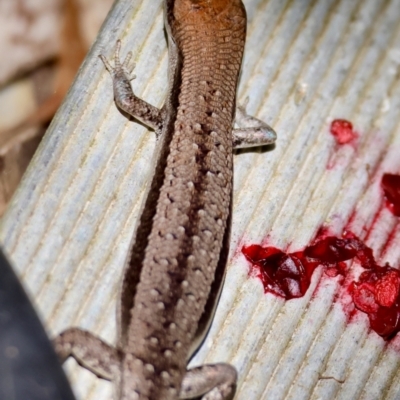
(192, 210)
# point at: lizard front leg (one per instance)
(213, 381)
(124, 96)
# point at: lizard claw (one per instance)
(118, 68)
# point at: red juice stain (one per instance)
(288, 275)
(343, 131)
(391, 187)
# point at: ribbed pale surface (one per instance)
(306, 63)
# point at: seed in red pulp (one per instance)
(387, 289)
(364, 297)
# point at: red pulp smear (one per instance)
(342, 130)
(391, 187)
(288, 275)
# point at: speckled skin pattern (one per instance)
(192, 210)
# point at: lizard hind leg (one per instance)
(90, 352)
(213, 381)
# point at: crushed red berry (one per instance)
(285, 275)
(333, 250)
(288, 275)
(342, 130)
(391, 187)
(386, 321)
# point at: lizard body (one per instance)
(177, 260)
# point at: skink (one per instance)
(177, 260)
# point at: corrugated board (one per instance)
(306, 63)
